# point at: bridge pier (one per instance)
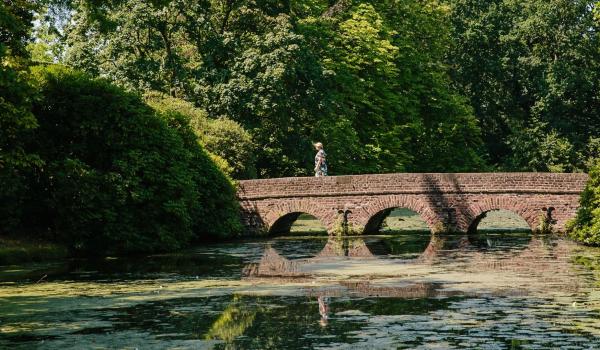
(446, 202)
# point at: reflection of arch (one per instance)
(272, 264)
(350, 247)
(477, 211)
(440, 245)
(280, 217)
(380, 209)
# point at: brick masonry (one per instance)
(453, 202)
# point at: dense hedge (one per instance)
(586, 226)
(226, 140)
(118, 176)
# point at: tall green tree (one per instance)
(239, 59)
(351, 74)
(532, 72)
(391, 89)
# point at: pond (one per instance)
(492, 290)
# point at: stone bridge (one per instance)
(446, 202)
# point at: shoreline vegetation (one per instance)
(15, 251)
(24, 251)
(400, 221)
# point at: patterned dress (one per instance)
(322, 169)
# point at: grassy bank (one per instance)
(17, 251)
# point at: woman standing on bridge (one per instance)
(320, 160)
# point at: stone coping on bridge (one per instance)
(412, 183)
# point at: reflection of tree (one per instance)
(233, 322)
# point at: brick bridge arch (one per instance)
(368, 219)
(279, 217)
(527, 211)
(452, 202)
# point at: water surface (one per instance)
(490, 291)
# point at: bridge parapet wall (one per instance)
(444, 201)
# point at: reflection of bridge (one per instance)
(274, 264)
(453, 202)
(547, 260)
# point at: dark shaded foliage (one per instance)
(117, 176)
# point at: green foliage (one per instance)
(394, 86)
(16, 119)
(544, 225)
(229, 144)
(585, 227)
(15, 26)
(229, 140)
(236, 59)
(535, 149)
(355, 76)
(48, 43)
(532, 72)
(117, 176)
(380, 83)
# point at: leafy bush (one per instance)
(17, 251)
(586, 225)
(229, 140)
(118, 176)
(16, 119)
(16, 123)
(224, 138)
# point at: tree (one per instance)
(235, 59)
(391, 91)
(530, 68)
(355, 76)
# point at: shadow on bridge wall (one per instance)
(458, 212)
(440, 204)
(251, 218)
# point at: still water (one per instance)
(489, 291)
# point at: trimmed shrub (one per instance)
(118, 177)
(223, 138)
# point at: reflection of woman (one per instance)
(320, 160)
(323, 310)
